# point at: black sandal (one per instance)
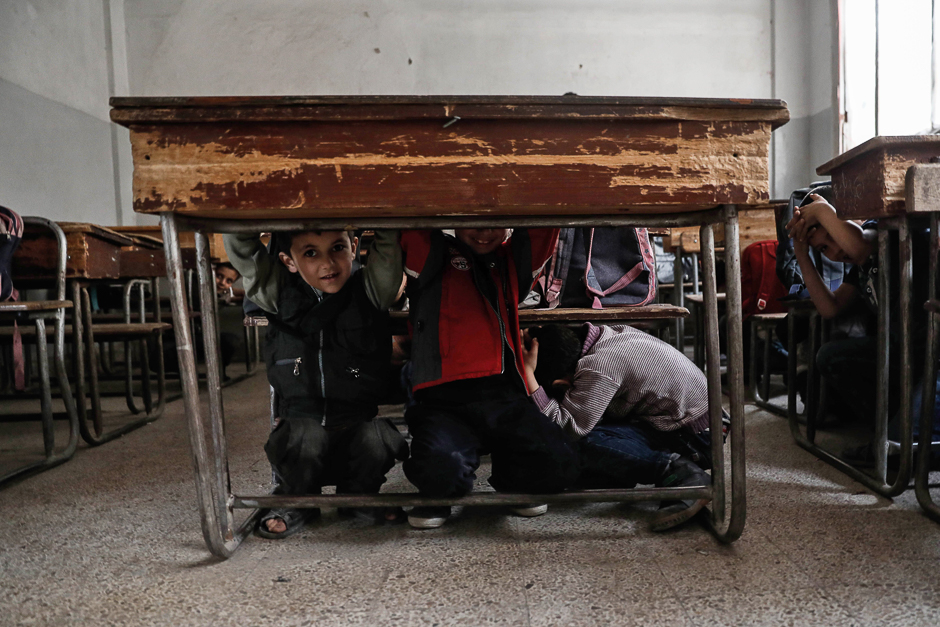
(295, 519)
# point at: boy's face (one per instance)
(482, 241)
(324, 261)
(224, 277)
(820, 240)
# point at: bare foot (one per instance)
(276, 525)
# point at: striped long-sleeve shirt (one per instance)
(626, 374)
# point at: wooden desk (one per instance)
(871, 181)
(257, 164)
(896, 177)
(96, 254)
(187, 241)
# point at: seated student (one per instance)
(467, 375)
(850, 365)
(225, 277)
(632, 402)
(327, 351)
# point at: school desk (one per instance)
(871, 181)
(97, 254)
(258, 164)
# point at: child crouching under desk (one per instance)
(327, 351)
(637, 407)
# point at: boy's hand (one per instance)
(530, 352)
(530, 359)
(799, 228)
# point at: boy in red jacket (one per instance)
(468, 375)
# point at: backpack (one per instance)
(11, 232)
(598, 267)
(761, 290)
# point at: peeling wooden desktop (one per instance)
(265, 163)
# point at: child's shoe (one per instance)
(428, 517)
(680, 473)
(374, 515)
(529, 511)
(293, 519)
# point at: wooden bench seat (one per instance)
(102, 331)
(34, 306)
(559, 315)
(698, 299)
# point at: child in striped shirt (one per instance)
(636, 405)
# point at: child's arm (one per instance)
(585, 401)
(847, 234)
(382, 274)
(828, 303)
(261, 273)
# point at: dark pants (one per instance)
(530, 453)
(306, 456)
(849, 367)
(621, 455)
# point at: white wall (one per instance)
(59, 156)
(60, 60)
(713, 48)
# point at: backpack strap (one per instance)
(558, 270)
(593, 288)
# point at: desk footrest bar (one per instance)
(477, 498)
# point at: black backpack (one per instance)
(600, 267)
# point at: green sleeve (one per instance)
(383, 272)
(261, 273)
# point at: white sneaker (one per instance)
(428, 517)
(529, 511)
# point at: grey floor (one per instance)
(113, 538)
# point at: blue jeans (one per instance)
(621, 455)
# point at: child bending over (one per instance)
(470, 395)
(327, 351)
(631, 401)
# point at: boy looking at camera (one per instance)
(327, 351)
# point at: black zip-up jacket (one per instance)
(328, 356)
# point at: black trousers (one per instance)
(529, 452)
(306, 456)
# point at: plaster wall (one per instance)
(59, 155)
(713, 48)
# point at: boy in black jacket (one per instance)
(327, 350)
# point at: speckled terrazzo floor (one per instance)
(113, 538)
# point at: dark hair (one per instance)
(227, 266)
(559, 352)
(281, 241)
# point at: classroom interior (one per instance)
(103, 523)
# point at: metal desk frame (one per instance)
(879, 482)
(57, 314)
(217, 503)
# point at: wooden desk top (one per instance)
(187, 239)
(368, 157)
(755, 224)
(868, 181)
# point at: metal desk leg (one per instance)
(729, 528)
(922, 479)
(879, 483)
(211, 472)
(726, 527)
(678, 296)
(45, 398)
